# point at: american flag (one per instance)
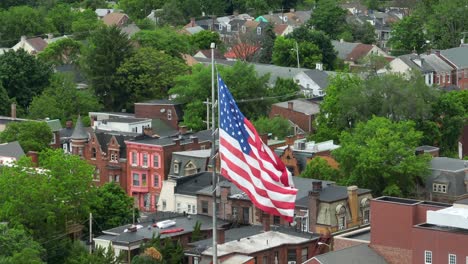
(250, 164)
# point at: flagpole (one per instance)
(213, 159)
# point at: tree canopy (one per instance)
(285, 53)
(31, 135)
(319, 169)
(164, 39)
(379, 155)
(18, 246)
(277, 126)
(329, 18)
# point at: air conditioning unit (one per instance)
(291, 262)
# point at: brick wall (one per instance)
(394, 255)
(302, 120)
(169, 113)
(342, 243)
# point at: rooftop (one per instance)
(302, 106)
(195, 153)
(360, 254)
(160, 102)
(11, 149)
(458, 56)
(454, 217)
(128, 120)
(204, 135)
(448, 164)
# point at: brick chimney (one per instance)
(264, 138)
(192, 22)
(221, 236)
(34, 157)
(148, 131)
(313, 204)
(290, 140)
(266, 222)
(353, 202)
(13, 110)
(69, 124)
(183, 130)
(194, 140)
(290, 105)
(317, 186)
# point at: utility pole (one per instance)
(90, 233)
(213, 158)
(297, 56)
(208, 103)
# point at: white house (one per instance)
(10, 152)
(31, 45)
(135, 125)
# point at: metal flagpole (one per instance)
(213, 159)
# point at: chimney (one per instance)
(176, 141)
(313, 205)
(194, 139)
(341, 40)
(192, 22)
(34, 157)
(290, 140)
(319, 66)
(437, 52)
(13, 110)
(266, 222)
(23, 38)
(235, 13)
(221, 236)
(69, 124)
(183, 130)
(148, 131)
(317, 186)
(290, 105)
(50, 36)
(353, 203)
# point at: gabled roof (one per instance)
(131, 29)
(12, 149)
(457, 56)
(159, 102)
(193, 30)
(280, 28)
(241, 51)
(343, 48)
(412, 61)
(436, 63)
(100, 12)
(104, 138)
(360, 254)
(112, 19)
(359, 52)
(37, 43)
(319, 77)
(54, 125)
(251, 24)
(302, 106)
(191, 184)
(206, 53)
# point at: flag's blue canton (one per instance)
(232, 120)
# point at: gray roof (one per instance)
(343, 48)
(244, 232)
(319, 77)
(148, 231)
(409, 59)
(104, 138)
(447, 164)
(11, 149)
(276, 71)
(79, 132)
(128, 120)
(436, 63)
(130, 29)
(360, 254)
(192, 184)
(160, 102)
(458, 56)
(204, 135)
(161, 128)
(194, 30)
(198, 158)
(302, 106)
(54, 125)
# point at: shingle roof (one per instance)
(411, 59)
(79, 132)
(458, 56)
(302, 106)
(447, 164)
(160, 102)
(12, 149)
(128, 120)
(54, 125)
(104, 138)
(204, 135)
(343, 48)
(360, 254)
(280, 28)
(359, 52)
(319, 77)
(436, 63)
(193, 183)
(112, 19)
(37, 43)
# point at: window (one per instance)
(204, 205)
(428, 257)
(452, 259)
(155, 161)
(276, 220)
(93, 153)
(341, 222)
(195, 260)
(113, 157)
(178, 207)
(291, 255)
(134, 159)
(176, 167)
(116, 178)
(265, 259)
(189, 208)
(145, 160)
(53, 139)
(169, 114)
(440, 188)
(228, 28)
(164, 205)
(155, 181)
(220, 26)
(304, 254)
(136, 179)
(366, 216)
(259, 30)
(143, 179)
(243, 29)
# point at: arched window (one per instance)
(190, 168)
(341, 216)
(365, 209)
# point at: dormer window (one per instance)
(228, 28)
(243, 29)
(176, 166)
(259, 30)
(220, 27)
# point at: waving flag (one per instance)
(250, 164)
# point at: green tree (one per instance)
(84, 23)
(242, 81)
(31, 135)
(284, 89)
(285, 53)
(15, 242)
(138, 9)
(79, 254)
(20, 21)
(61, 17)
(23, 76)
(173, 14)
(329, 18)
(363, 33)
(112, 207)
(62, 51)
(204, 38)
(61, 100)
(148, 74)
(319, 38)
(5, 106)
(268, 43)
(94, 4)
(277, 126)
(108, 49)
(196, 233)
(408, 35)
(379, 155)
(318, 168)
(164, 39)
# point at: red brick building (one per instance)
(301, 112)
(457, 58)
(149, 163)
(166, 110)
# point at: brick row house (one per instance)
(149, 164)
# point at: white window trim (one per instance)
(143, 160)
(454, 258)
(426, 254)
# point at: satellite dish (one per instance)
(163, 110)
